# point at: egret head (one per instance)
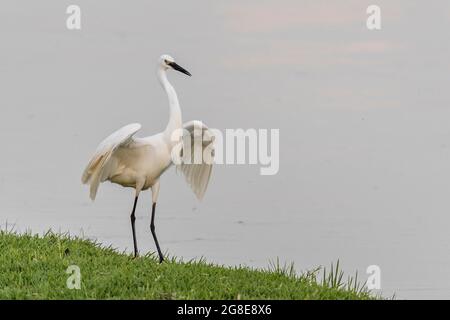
(167, 62)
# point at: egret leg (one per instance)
(133, 219)
(152, 228)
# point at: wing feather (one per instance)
(197, 175)
(100, 166)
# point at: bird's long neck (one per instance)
(175, 121)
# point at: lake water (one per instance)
(363, 118)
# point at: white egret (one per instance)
(138, 163)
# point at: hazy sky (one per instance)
(363, 118)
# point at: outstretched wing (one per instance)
(197, 156)
(98, 167)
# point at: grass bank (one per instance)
(34, 267)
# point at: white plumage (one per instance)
(197, 174)
(138, 163)
(100, 166)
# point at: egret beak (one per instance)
(179, 68)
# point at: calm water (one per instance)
(363, 117)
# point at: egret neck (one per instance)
(175, 121)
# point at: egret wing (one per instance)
(197, 155)
(99, 167)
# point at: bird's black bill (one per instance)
(179, 68)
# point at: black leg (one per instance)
(152, 228)
(133, 219)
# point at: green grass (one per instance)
(34, 267)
